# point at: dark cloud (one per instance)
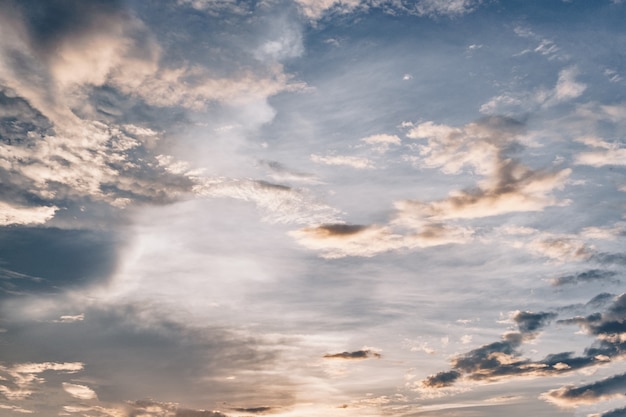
(583, 277)
(503, 359)
(589, 393)
(442, 379)
(50, 22)
(600, 299)
(359, 354)
(254, 410)
(618, 412)
(340, 229)
(530, 322)
(610, 258)
(49, 260)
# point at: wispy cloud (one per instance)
(606, 153)
(566, 89)
(484, 146)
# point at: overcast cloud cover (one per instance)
(224, 208)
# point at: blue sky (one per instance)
(312, 208)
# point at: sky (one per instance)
(307, 208)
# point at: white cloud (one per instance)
(611, 153)
(351, 161)
(446, 7)
(11, 214)
(565, 89)
(281, 204)
(24, 377)
(508, 186)
(81, 392)
(382, 142)
(372, 240)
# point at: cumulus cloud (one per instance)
(56, 149)
(572, 396)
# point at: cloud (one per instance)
(561, 248)
(253, 409)
(10, 214)
(359, 354)
(150, 408)
(382, 142)
(282, 204)
(571, 396)
(584, 277)
(61, 147)
(618, 412)
(450, 8)
(315, 9)
(610, 153)
(529, 322)
(19, 381)
(81, 392)
(340, 240)
(566, 89)
(503, 359)
(280, 172)
(484, 146)
(546, 46)
(350, 161)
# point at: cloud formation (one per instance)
(484, 147)
(572, 396)
(20, 381)
(503, 360)
(359, 354)
(315, 9)
(584, 277)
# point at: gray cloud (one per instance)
(584, 277)
(254, 410)
(51, 260)
(529, 322)
(359, 354)
(503, 359)
(571, 396)
(618, 412)
(138, 351)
